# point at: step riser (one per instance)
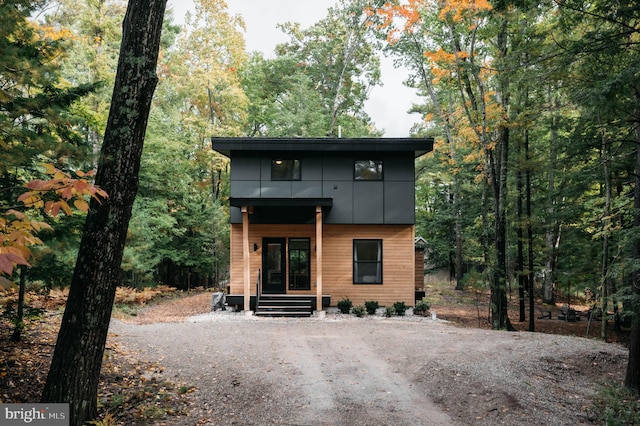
(283, 306)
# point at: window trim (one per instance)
(379, 262)
(292, 178)
(359, 178)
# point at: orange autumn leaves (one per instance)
(456, 65)
(52, 196)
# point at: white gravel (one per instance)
(344, 370)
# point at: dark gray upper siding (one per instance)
(327, 179)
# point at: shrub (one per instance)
(358, 311)
(421, 307)
(400, 308)
(616, 405)
(389, 312)
(345, 305)
(371, 306)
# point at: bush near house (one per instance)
(400, 308)
(345, 305)
(358, 311)
(421, 308)
(371, 306)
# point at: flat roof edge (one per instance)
(419, 146)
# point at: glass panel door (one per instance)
(299, 264)
(274, 265)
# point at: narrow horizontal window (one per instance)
(367, 170)
(367, 261)
(285, 169)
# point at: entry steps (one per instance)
(283, 305)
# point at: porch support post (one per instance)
(319, 306)
(246, 261)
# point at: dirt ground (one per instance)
(175, 363)
(360, 371)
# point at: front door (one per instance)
(274, 266)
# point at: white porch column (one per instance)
(319, 260)
(246, 261)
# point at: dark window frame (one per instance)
(288, 173)
(378, 175)
(358, 277)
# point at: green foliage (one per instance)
(399, 308)
(421, 308)
(616, 405)
(10, 312)
(345, 305)
(36, 117)
(319, 80)
(389, 311)
(359, 311)
(371, 306)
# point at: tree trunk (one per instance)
(530, 275)
(19, 322)
(520, 231)
(606, 225)
(77, 359)
(499, 169)
(632, 378)
(551, 229)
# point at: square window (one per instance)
(367, 261)
(367, 170)
(285, 169)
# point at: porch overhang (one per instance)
(281, 202)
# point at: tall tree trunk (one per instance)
(77, 359)
(551, 228)
(520, 259)
(530, 289)
(632, 378)
(499, 303)
(499, 169)
(606, 229)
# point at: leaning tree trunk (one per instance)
(77, 359)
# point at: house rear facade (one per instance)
(324, 218)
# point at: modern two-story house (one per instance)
(322, 219)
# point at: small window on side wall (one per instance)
(285, 169)
(367, 170)
(367, 261)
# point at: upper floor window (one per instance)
(368, 170)
(285, 169)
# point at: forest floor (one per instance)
(451, 371)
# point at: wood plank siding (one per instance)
(419, 269)
(398, 260)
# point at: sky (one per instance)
(387, 105)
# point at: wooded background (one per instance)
(533, 185)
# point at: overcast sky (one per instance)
(387, 105)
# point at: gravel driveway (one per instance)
(343, 370)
